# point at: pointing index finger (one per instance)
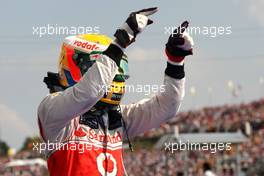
(180, 30)
(148, 12)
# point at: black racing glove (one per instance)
(134, 24)
(127, 33)
(179, 45)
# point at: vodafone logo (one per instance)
(106, 164)
(85, 45)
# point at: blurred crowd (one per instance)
(227, 118)
(31, 169)
(247, 118)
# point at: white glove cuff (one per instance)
(128, 30)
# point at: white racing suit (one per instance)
(86, 148)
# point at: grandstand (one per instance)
(245, 118)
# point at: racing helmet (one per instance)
(84, 48)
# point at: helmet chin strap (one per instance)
(102, 105)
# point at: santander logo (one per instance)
(79, 132)
(115, 138)
(85, 45)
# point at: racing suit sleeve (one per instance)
(56, 110)
(150, 113)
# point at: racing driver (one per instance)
(82, 121)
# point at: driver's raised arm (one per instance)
(150, 113)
